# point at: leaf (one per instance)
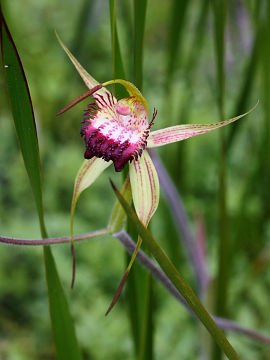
(18, 92)
(246, 86)
(139, 26)
(62, 324)
(21, 106)
(176, 26)
(178, 281)
(117, 61)
(181, 132)
(224, 253)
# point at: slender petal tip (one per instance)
(118, 292)
(79, 99)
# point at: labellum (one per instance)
(115, 131)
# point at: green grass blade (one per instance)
(81, 30)
(141, 280)
(139, 25)
(178, 281)
(177, 22)
(193, 59)
(18, 92)
(62, 325)
(245, 90)
(264, 159)
(21, 106)
(219, 14)
(117, 62)
(132, 292)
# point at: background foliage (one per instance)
(183, 90)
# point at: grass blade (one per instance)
(18, 92)
(132, 297)
(139, 25)
(245, 90)
(117, 62)
(177, 23)
(142, 282)
(219, 14)
(181, 285)
(21, 106)
(66, 343)
(139, 282)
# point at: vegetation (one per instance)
(195, 62)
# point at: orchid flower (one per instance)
(117, 132)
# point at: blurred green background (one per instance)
(190, 96)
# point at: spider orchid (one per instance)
(117, 132)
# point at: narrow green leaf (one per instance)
(245, 90)
(134, 287)
(179, 282)
(141, 280)
(117, 62)
(21, 106)
(20, 101)
(139, 25)
(224, 256)
(83, 27)
(219, 15)
(62, 325)
(176, 26)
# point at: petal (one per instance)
(181, 132)
(145, 187)
(87, 174)
(87, 78)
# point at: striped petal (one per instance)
(145, 187)
(181, 132)
(90, 82)
(87, 174)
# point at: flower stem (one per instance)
(51, 241)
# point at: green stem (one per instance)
(178, 281)
(195, 304)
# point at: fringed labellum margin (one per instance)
(116, 131)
